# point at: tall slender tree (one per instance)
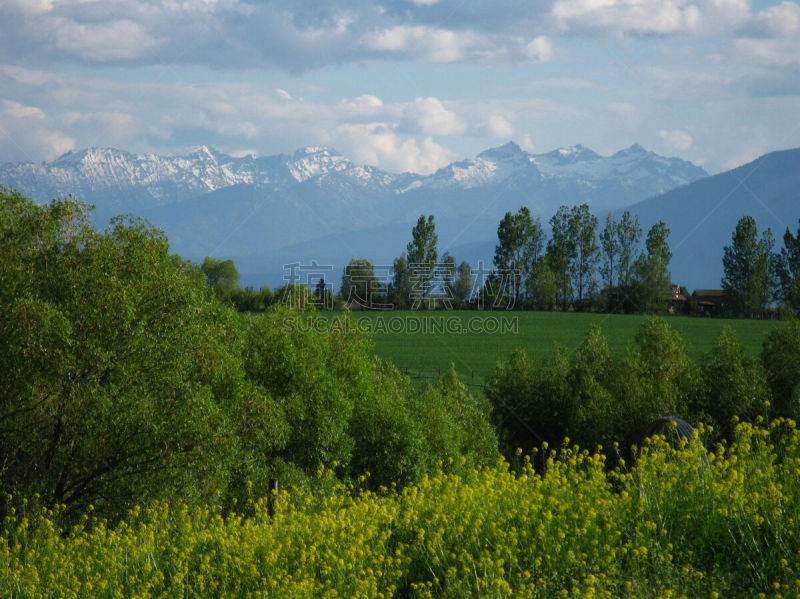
(609, 241)
(583, 225)
(561, 251)
(465, 281)
(787, 269)
(520, 243)
(748, 278)
(652, 268)
(422, 256)
(629, 233)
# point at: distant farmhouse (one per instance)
(709, 301)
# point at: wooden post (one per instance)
(273, 495)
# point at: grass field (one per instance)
(426, 342)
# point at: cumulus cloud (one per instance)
(377, 144)
(500, 127)
(426, 43)
(781, 20)
(649, 17)
(526, 143)
(676, 139)
(296, 37)
(540, 49)
(29, 134)
(429, 116)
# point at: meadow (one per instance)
(474, 349)
(683, 521)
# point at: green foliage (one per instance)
(583, 225)
(116, 370)
(748, 278)
(359, 284)
(610, 251)
(781, 362)
(456, 423)
(652, 277)
(541, 287)
(655, 378)
(787, 269)
(592, 396)
(222, 276)
(462, 288)
(733, 385)
(628, 235)
(561, 252)
(422, 258)
(520, 243)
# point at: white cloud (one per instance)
(526, 143)
(676, 139)
(429, 116)
(21, 111)
(781, 20)
(777, 52)
(650, 17)
(35, 7)
(112, 40)
(28, 134)
(427, 43)
(378, 145)
(500, 127)
(364, 102)
(540, 49)
(283, 94)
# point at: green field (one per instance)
(431, 349)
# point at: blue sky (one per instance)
(404, 85)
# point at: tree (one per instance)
(400, 289)
(610, 244)
(541, 287)
(520, 243)
(628, 235)
(583, 225)
(561, 251)
(652, 268)
(464, 282)
(787, 270)
(448, 277)
(748, 278)
(118, 377)
(422, 256)
(222, 276)
(359, 283)
(732, 383)
(779, 358)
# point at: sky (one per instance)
(403, 85)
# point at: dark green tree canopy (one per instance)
(748, 278)
(520, 243)
(222, 275)
(787, 269)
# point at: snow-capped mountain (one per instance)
(210, 203)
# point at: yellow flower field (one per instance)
(680, 522)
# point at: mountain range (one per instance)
(316, 205)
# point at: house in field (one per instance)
(621, 299)
(709, 301)
(675, 300)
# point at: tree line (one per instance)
(593, 396)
